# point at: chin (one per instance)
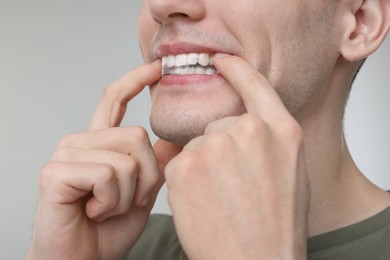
(179, 139)
(180, 126)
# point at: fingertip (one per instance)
(226, 61)
(165, 151)
(152, 70)
(158, 61)
(156, 64)
(230, 66)
(220, 59)
(94, 209)
(221, 55)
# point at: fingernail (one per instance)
(145, 201)
(101, 218)
(221, 55)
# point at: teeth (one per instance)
(204, 59)
(200, 70)
(191, 63)
(164, 61)
(192, 58)
(210, 71)
(181, 60)
(179, 71)
(189, 71)
(171, 61)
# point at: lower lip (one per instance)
(171, 80)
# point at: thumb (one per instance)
(164, 152)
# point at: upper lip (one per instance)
(180, 48)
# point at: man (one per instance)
(249, 109)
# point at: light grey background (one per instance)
(56, 57)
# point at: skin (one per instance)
(309, 55)
(117, 164)
(281, 96)
(275, 45)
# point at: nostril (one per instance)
(166, 11)
(178, 15)
(171, 16)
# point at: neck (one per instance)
(341, 195)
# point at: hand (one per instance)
(241, 190)
(96, 193)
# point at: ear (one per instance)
(366, 25)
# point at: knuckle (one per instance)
(131, 165)
(188, 160)
(107, 173)
(48, 178)
(211, 126)
(153, 179)
(129, 168)
(132, 136)
(61, 154)
(68, 140)
(251, 125)
(139, 133)
(252, 78)
(109, 92)
(178, 170)
(292, 133)
(219, 141)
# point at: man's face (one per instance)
(288, 41)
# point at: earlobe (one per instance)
(366, 29)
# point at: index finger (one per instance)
(259, 97)
(112, 106)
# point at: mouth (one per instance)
(188, 64)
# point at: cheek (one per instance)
(301, 68)
(146, 28)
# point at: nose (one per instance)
(167, 11)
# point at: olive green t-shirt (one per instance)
(368, 239)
